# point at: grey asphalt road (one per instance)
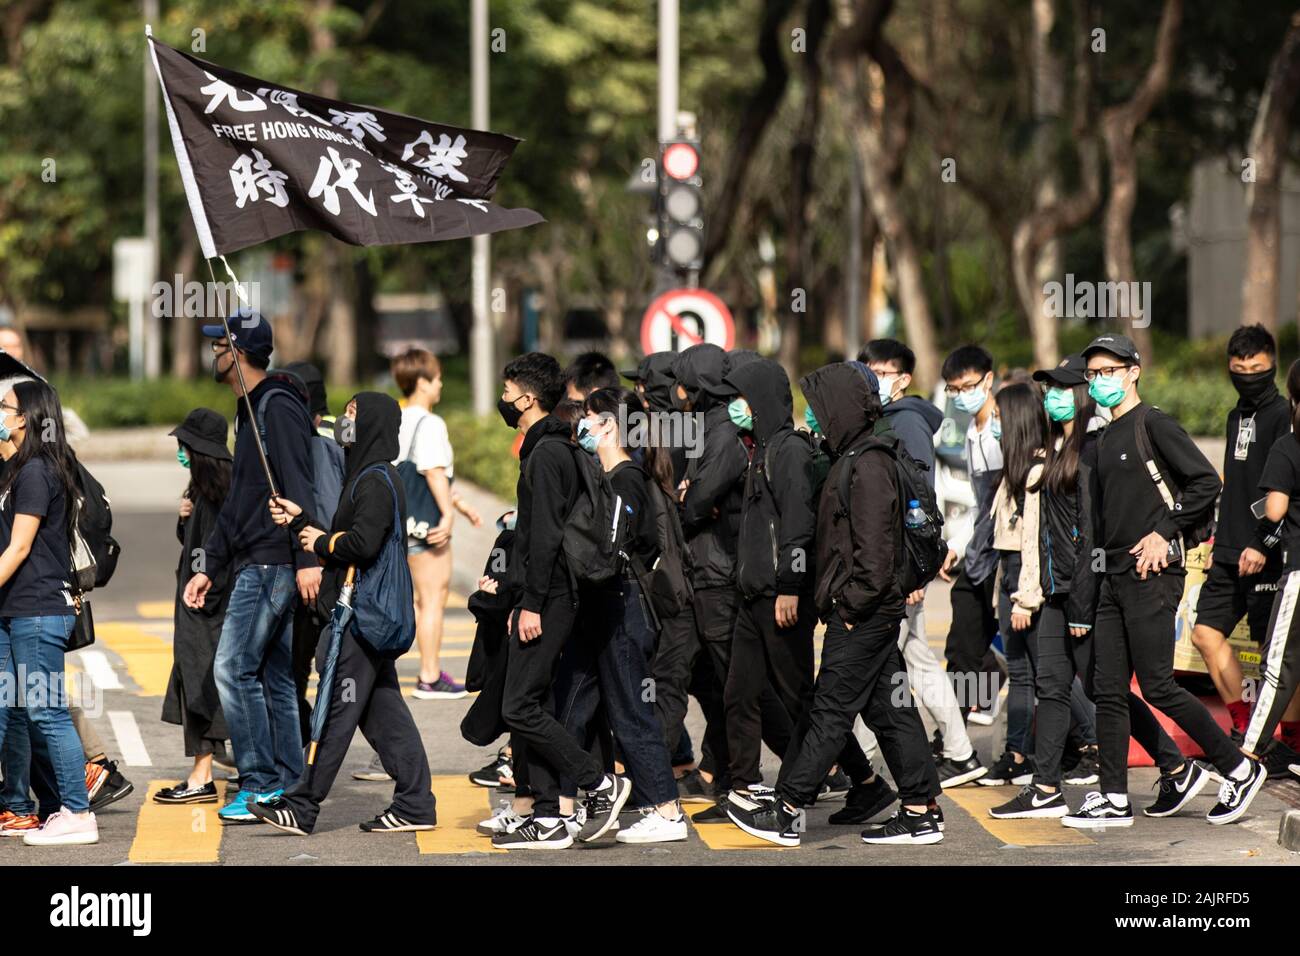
(134, 621)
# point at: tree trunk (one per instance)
(1119, 128)
(1267, 148)
(185, 331)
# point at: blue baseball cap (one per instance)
(249, 330)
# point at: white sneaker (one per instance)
(654, 828)
(503, 821)
(65, 828)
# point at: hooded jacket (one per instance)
(915, 421)
(712, 504)
(656, 371)
(545, 493)
(1067, 535)
(775, 547)
(244, 533)
(859, 540)
(363, 518)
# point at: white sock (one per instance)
(548, 821)
(1242, 770)
(1119, 799)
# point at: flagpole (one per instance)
(243, 387)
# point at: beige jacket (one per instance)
(1012, 532)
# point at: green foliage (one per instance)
(121, 403)
(483, 449)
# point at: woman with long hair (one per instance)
(192, 700)
(38, 493)
(1021, 428)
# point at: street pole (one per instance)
(667, 70)
(853, 265)
(481, 376)
(153, 325)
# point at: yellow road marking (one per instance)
(148, 657)
(461, 807)
(1042, 832)
(187, 833)
(155, 609)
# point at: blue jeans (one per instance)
(31, 659)
(254, 675)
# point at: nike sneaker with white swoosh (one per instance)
(534, 834)
(1179, 789)
(603, 805)
(1030, 803)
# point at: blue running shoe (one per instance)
(236, 811)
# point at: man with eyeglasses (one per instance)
(1141, 529)
(968, 373)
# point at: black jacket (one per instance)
(658, 382)
(859, 540)
(1067, 535)
(363, 519)
(545, 493)
(1238, 528)
(774, 552)
(712, 504)
(244, 532)
(486, 671)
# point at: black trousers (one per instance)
(974, 625)
(862, 672)
(1135, 635)
(679, 645)
(1061, 658)
(366, 694)
(527, 707)
(307, 630)
(706, 688)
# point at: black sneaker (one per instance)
(1235, 796)
(113, 789)
(937, 810)
(693, 788)
(1031, 803)
(1070, 758)
(278, 814)
(835, 787)
(1097, 812)
(954, 773)
(390, 822)
(1007, 771)
(603, 805)
(533, 835)
(1086, 769)
(865, 802)
(936, 744)
(494, 774)
(1276, 757)
(714, 814)
(917, 829)
(767, 819)
(181, 793)
(1177, 790)
(1238, 737)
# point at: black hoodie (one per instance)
(245, 533)
(545, 493)
(775, 547)
(1270, 418)
(712, 504)
(363, 519)
(858, 541)
(656, 371)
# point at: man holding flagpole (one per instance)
(254, 662)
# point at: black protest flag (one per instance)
(260, 159)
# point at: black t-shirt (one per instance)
(632, 484)
(41, 584)
(1252, 431)
(1282, 473)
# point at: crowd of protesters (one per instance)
(684, 538)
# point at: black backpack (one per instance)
(595, 533)
(821, 463)
(923, 549)
(667, 584)
(95, 554)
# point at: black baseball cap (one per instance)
(250, 331)
(1120, 345)
(1067, 374)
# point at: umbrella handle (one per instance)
(351, 576)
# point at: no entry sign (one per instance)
(681, 318)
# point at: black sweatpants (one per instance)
(679, 644)
(1060, 658)
(527, 708)
(1135, 635)
(307, 630)
(366, 694)
(862, 672)
(1281, 666)
(974, 625)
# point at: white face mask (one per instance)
(886, 388)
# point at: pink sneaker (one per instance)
(65, 829)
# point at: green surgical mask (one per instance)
(1108, 391)
(810, 420)
(1059, 403)
(739, 413)
(183, 457)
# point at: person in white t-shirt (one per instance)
(423, 441)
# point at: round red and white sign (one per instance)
(681, 318)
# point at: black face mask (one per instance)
(509, 413)
(1255, 385)
(218, 373)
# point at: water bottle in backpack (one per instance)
(915, 516)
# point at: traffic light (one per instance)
(681, 206)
